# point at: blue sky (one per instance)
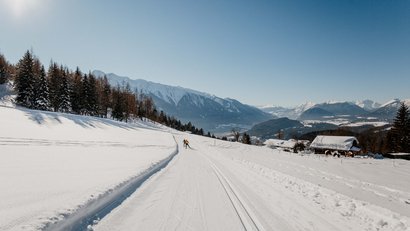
(259, 52)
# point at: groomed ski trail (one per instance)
(190, 194)
(96, 209)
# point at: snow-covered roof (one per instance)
(280, 143)
(342, 143)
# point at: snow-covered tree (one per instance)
(42, 101)
(4, 75)
(64, 93)
(25, 80)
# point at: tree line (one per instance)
(59, 89)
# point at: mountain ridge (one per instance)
(210, 112)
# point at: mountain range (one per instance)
(221, 115)
(310, 118)
(350, 111)
(212, 113)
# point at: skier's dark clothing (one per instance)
(186, 144)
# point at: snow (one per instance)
(343, 143)
(6, 95)
(393, 101)
(303, 107)
(52, 164)
(367, 104)
(55, 166)
(280, 143)
(230, 186)
(374, 124)
(329, 120)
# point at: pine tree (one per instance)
(64, 93)
(105, 97)
(77, 97)
(246, 139)
(399, 136)
(85, 94)
(4, 75)
(54, 85)
(118, 107)
(91, 95)
(25, 80)
(43, 102)
(35, 82)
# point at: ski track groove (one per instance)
(100, 207)
(238, 205)
(5, 141)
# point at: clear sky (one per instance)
(259, 52)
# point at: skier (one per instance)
(187, 144)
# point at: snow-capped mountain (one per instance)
(277, 111)
(344, 109)
(291, 113)
(368, 105)
(388, 110)
(329, 108)
(207, 111)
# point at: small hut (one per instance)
(336, 145)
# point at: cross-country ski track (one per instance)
(68, 172)
(205, 189)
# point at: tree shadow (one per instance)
(46, 117)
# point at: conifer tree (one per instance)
(399, 136)
(42, 102)
(64, 92)
(77, 98)
(105, 96)
(25, 80)
(118, 107)
(246, 139)
(35, 82)
(91, 95)
(54, 85)
(4, 75)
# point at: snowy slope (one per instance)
(53, 164)
(221, 185)
(7, 95)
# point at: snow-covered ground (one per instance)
(267, 190)
(52, 165)
(374, 124)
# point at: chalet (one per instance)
(335, 144)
